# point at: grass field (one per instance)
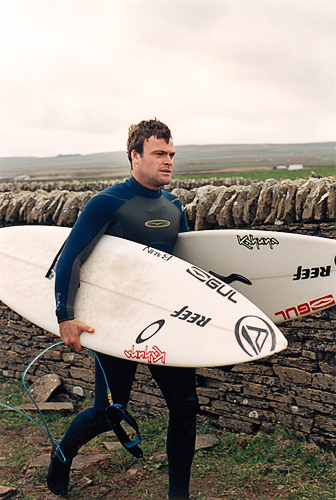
(189, 161)
(240, 467)
(263, 174)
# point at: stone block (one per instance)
(82, 374)
(324, 381)
(295, 422)
(42, 389)
(293, 375)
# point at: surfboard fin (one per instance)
(233, 277)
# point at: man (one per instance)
(122, 210)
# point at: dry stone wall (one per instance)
(295, 388)
(99, 185)
(208, 207)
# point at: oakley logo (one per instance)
(248, 241)
(150, 331)
(255, 336)
(157, 223)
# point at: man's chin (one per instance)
(165, 178)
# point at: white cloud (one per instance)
(76, 73)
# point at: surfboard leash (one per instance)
(115, 414)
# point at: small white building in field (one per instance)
(295, 167)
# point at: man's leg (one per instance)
(91, 422)
(178, 386)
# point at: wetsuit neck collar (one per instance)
(141, 190)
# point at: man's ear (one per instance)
(135, 158)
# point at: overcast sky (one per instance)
(76, 73)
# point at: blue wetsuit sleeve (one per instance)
(85, 234)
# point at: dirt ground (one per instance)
(143, 479)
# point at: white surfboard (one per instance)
(286, 275)
(145, 305)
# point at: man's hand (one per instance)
(70, 332)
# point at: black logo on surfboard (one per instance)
(150, 331)
(185, 315)
(255, 336)
(249, 241)
(213, 283)
(311, 273)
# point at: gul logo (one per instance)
(248, 241)
(314, 272)
(308, 307)
(157, 253)
(152, 356)
(185, 315)
(213, 283)
(157, 223)
(254, 335)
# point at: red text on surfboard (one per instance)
(152, 356)
(220, 287)
(308, 307)
(190, 317)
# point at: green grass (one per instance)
(262, 175)
(311, 471)
(239, 466)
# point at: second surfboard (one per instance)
(286, 275)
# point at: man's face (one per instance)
(153, 169)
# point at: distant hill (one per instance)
(189, 160)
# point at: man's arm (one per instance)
(85, 234)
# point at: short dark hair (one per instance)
(137, 134)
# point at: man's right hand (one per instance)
(70, 332)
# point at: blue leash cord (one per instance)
(129, 445)
(45, 429)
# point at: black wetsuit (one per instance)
(153, 218)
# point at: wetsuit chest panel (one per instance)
(153, 222)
